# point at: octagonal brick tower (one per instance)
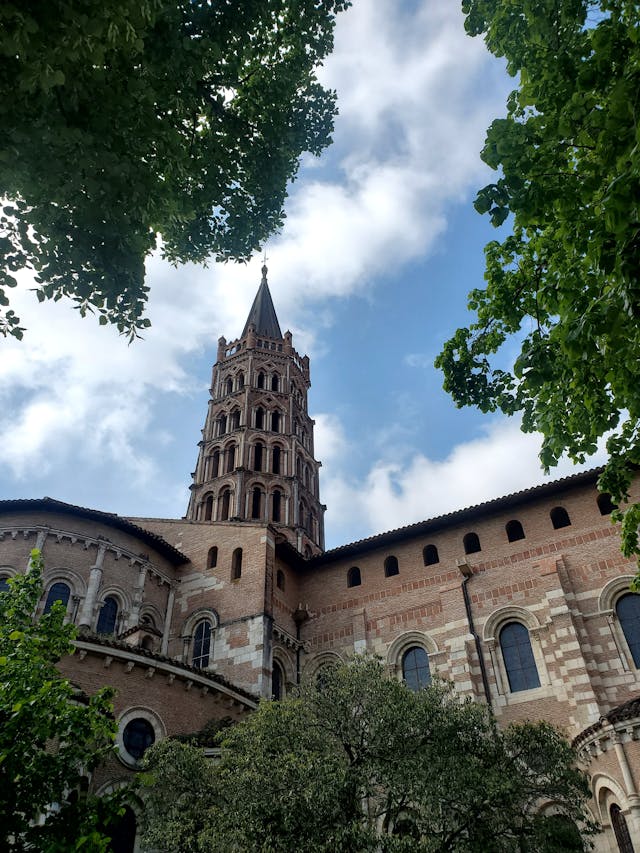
(256, 459)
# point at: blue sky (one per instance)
(371, 271)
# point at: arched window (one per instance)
(108, 616)
(605, 504)
(257, 456)
(256, 500)
(277, 681)
(620, 829)
(514, 530)
(212, 557)
(58, 592)
(471, 543)
(236, 564)
(260, 381)
(275, 459)
(353, 577)
(215, 463)
(559, 517)
(224, 504)
(4, 584)
(415, 668)
(228, 386)
(275, 382)
(517, 655)
(628, 612)
(234, 419)
(201, 644)
(430, 555)
(276, 505)
(391, 567)
(231, 458)
(280, 579)
(240, 381)
(208, 507)
(275, 421)
(259, 418)
(222, 424)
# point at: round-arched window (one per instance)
(201, 644)
(138, 736)
(58, 592)
(108, 616)
(415, 668)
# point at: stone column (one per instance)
(167, 621)
(95, 579)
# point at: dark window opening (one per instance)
(208, 507)
(275, 382)
(276, 507)
(58, 592)
(234, 420)
(122, 831)
(4, 584)
(628, 613)
(138, 736)
(391, 567)
(559, 517)
(514, 530)
(212, 557)
(415, 668)
(240, 381)
(225, 502)
(215, 463)
(430, 555)
(231, 458)
(201, 645)
(228, 386)
(257, 456)
(277, 680)
(259, 418)
(275, 422)
(275, 460)
(517, 654)
(353, 577)
(261, 380)
(471, 543)
(605, 504)
(108, 616)
(280, 579)
(236, 564)
(256, 498)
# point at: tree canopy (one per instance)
(50, 736)
(565, 281)
(129, 124)
(362, 763)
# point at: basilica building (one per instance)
(523, 602)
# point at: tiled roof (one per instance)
(177, 558)
(263, 314)
(627, 711)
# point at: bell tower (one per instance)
(256, 458)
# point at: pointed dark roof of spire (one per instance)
(263, 314)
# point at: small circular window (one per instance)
(137, 737)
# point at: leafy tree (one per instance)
(126, 123)
(362, 763)
(49, 735)
(565, 281)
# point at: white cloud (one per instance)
(411, 122)
(502, 461)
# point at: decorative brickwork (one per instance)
(202, 611)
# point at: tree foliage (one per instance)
(49, 735)
(127, 122)
(361, 763)
(565, 282)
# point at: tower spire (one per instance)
(263, 314)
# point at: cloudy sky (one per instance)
(380, 246)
